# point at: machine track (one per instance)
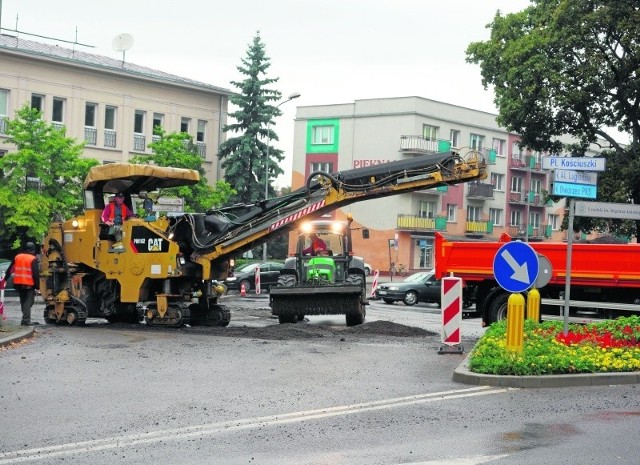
(177, 315)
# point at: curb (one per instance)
(462, 374)
(17, 336)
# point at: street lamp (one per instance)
(266, 162)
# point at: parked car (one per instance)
(418, 287)
(269, 273)
(4, 266)
(367, 269)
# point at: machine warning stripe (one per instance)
(297, 215)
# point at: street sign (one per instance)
(585, 191)
(575, 177)
(515, 266)
(623, 211)
(573, 163)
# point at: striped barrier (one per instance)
(451, 299)
(376, 273)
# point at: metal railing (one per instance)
(110, 138)
(3, 126)
(480, 190)
(90, 136)
(139, 142)
(202, 149)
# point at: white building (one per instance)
(109, 104)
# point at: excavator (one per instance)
(167, 270)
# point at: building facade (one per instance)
(402, 227)
(109, 104)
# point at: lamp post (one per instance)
(266, 162)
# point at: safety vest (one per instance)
(112, 211)
(22, 273)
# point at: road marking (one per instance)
(462, 460)
(185, 432)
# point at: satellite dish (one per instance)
(122, 43)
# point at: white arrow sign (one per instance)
(520, 272)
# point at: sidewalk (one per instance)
(10, 333)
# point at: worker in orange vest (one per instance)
(116, 211)
(114, 215)
(26, 280)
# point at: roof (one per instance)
(132, 179)
(19, 46)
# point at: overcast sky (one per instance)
(332, 51)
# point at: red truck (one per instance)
(604, 278)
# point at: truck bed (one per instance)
(605, 265)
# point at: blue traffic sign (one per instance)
(515, 266)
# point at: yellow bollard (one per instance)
(515, 322)
(533, 305)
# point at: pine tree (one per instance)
(243, 157)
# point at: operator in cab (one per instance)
(317, 247)
(116, 211)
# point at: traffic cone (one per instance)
(243, 291)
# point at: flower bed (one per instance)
(608, 346)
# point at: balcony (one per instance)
(418, 145)
(480, 191)
(418, 223)
(3, 126)
(535, 233)
(479, 227)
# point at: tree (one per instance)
(33, 177)
(178, 150)
(570, 67)
(244, 156)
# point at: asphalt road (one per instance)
(312, 393)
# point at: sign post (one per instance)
(257, 280)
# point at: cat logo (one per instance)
(154, 245)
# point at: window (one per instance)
(430, 132)
(322, 135)
(474, 213)
(110, 118)
(110, 135)
(37, 101)
(427, 209)
(536, 186)
(90, 115)
(454, 137)
(90, 132)
(516, 218)
(516, 151)
(451, 212)
(499, 145)
(185, 124)
(495, 215)
(476, 142)
(57, 111)
(516, 184)
(138, 122)
(139, 140)
(158, 121)
(553, 221)
(200, 134)
(534, 220)
(327, 167)
(497, 180)
(4, 108)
